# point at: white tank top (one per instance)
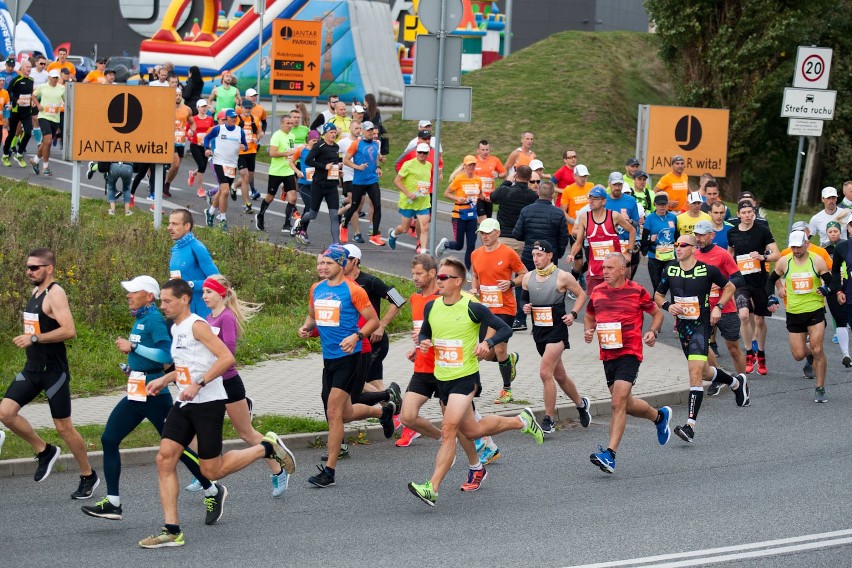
(226, 148)
(192, 359)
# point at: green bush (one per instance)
(93, 258)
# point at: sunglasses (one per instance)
(571, 157)
(535, 181)
(445, 277)
(423, 153)
(34, 267)
(683, 245)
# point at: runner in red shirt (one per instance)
(564, 176)
(615, 313)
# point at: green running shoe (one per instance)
(513, 360)
(531, 426)
(424, 492)
(165, 538)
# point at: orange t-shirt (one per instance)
(487, 171)
(251, 137)
(94, 77)
(67, 65)
(4, 98)
(523, 159)
(182, 114)
(463, 186)
(500, 264)
(575, 198)
(676, 187)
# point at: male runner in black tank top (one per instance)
(47, 324)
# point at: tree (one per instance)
(739, 54)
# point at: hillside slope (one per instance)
(574, 89)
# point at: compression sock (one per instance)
(267, 447)
(810, 359)
(724, 378)
(843, 340)
(264, 205)
(374, 397)
(506, 373)
(288, 211)
(761, 353)
(173, 529)
(696, 394)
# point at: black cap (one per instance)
(543, 246)
(101, 60)
(10, 61)
(424, 134)
(641, 174)
(632, 162)
(661, 199)
(109, 71)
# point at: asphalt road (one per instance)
(761, 486)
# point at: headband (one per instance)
(216, 286)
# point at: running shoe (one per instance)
(209, 216)
(150, 197)
(847, 361)
(215, 505)
(233, 193)
(547, 425)
(103, 509)
(302, 237)
(111, 212)
(489, 456)
(378, 241)
(21, 161)
(442, 246)
(279, 483)
(585, 415)
(408, 436)
(519, 325)
(531, 426)
(480, 443)
(819, 395)
(87, 486)
(391, 231)
(424, 492)
(344, 453)
(297, 226)
(505, 397)
(258, 222)
(46, 459)
(685, 433)
(664, 433)
(386, 419)
(761, 366)
(475, 477)
(834, 339)
(201, 192)
(358, 239)
(604, 459)
(35, 166)
(741, 394)
(395, 397)
(715, 388)
(6, 161)
(282, 453)
(255, 195)
(362, 214)
(343, 235)
(48, 172)
(513, 361)
(194, 487)
(296, 215)
(165, 538)
(751, 359)
(2, 439)
(90, 170)
(190, 181)
(132, 200)
(412, 232)
(247, 209)
(128, 212)
(223, 225)
(250, 404)
(808, 370)
(167, 190)
(397, 423)
(322, 479)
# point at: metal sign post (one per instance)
(799, 155)
(261, 10)
(436, 155)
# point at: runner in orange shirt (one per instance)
(675, 184)
(97, 74)
(523, 155)
(488, 169)
(63, 63)
(464, 190)
(247, 160)
(184, 128)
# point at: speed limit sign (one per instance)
(812, 67)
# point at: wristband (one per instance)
(573, 313)
(360, 335)
(666, 306)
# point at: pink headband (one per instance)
(216, 286)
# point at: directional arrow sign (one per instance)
(814, 104)
(296, 52)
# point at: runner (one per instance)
(497, 269)
(21, 98)
(546, 290)
(675, 184)
(51, 97)
(729, 323)
(841, 270)
(184, 129)
(464, 191)
(190, 259)
(304, 177)
(658, 237)
(452, 324)
(686, 221)
(522, 155)
(247, 158)
(614, 313)
(147, 349)
(203, 123)
(690, 281)
(324, 157)
(626, 204)
(598, 226)
(752, 246)
(334, 308)
(364, 157)
(488, 168)
(801, 272)
(223, 143)
(414, 182)
(48, 323)
(282, 146)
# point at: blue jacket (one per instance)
(192, 262)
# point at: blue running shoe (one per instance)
(279, 483)
(488, 455)
(479, 443)
(392, 238)
(603, 459)
(663, 431)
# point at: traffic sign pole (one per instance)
(436, 173)
(796, 183)
(75, 192)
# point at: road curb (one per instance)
(146, 456)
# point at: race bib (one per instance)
(487, 185)
(31, 325)
(174, 274)
(715, 292)
(449, 353)
(199, 137)
(334, 173)
(664, 251)
(417, 324)
(327, 313)
(747, 264)
(184, 379)
(230, 171)
(180, 132)
(50, 108)
(250, 137)
(803, 282)
(491, 296)
(690, 307)
(471, 190)
(542, 316)
(24, 101)
(136, 387)
(309, 174)
(423, 188)
(609, 335)
(601, 249)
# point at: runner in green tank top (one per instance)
(801, 272)
(226, 95)
(451, 324)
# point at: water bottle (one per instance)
(7, 110)
(37, 135)
(125, 368)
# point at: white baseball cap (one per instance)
(694, 197)
(797, 239)
(250, 92)
(581, 170)
(53, 73)
(536, 165)
(353, 251)
(828, 192)
(357, 108)
(140, 283)
(200, 103)
(423, 147)
(424, 123)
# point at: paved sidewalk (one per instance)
(292, 387)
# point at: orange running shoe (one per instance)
(408, 436)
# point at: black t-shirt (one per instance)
(691, 287)
(756, 239)
(376, 289)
